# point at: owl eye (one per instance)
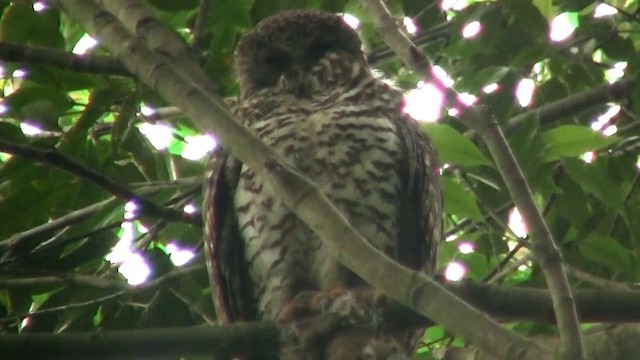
(277, 61)
(319, 49)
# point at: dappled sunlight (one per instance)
(190, 209)
(160, 135)
(455, 271)
(19, 73)
(131, 264)
(466, 247)
(30, 129)
(516, 224)
(409, 25)
(471, 30)
(616, 72)
(467, 99)
(424, 103)
(135, 269)
(442, 75)
(491, 88)
(39, 6)
(524, 92)
(588, 157)
(179, 256)
(451, 237)
(85, 44)
(146, 110)
(604, 119)
(122, 250)
(351, 20)
(455, 5)
(604, 10)
(562, 26)
(610, 130)
(198, 146)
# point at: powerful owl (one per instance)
(306, 91)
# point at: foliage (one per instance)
(95, 119)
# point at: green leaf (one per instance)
(459, 200)
(571, 141)
(635, 97)
(46, 29)
(234, 14)
(16, 24)
(41, 103)
(618, 48)
(595, 182)
(546, 8)
(477, 265)
(453, 147)
(11, 132)
(606, 251)
(529, 17)
(21, 24)
(490, 75)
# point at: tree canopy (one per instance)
(103, 146)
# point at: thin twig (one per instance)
(55, 158)
(200, 27)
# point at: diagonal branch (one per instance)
(544, 246)
(55, 158)
(206, 110)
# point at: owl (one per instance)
(306, 91)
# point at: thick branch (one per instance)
(207, 111)
(40, 55)
(223, 342)
(575, 103)
(503, 304)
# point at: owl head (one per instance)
(290, 45)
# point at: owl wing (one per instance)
(421, 201)
(224, 247)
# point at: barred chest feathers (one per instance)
(349, 150)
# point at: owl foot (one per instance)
(319, 322)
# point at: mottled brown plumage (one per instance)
(306, 90)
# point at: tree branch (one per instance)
(54, 158)
(223, 342)
(40, 55)
(544, 247)
(200, 27)
(503, 304)
(575, 103)
(256, 338)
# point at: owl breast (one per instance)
(349, 148)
